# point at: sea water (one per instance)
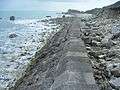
(31, 33)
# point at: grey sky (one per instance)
(53, 5)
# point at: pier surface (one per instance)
(62, 64)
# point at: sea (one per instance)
(29, 35)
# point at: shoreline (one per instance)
(93, 35)
(32, 62)
(21, 69)
(100, 35)
(35, 58)
(47, 58)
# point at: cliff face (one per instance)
(115, 6)
(111, 11)
(93, 11)
(73, 12)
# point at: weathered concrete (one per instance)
(63, 64)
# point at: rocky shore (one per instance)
(55, 67)
(101, 35)
(102, 39)
(46, 58)
(18, 44)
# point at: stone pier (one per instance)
(62, 64)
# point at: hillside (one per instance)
(111, 11)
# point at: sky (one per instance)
(53, 5)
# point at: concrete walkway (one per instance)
(64, 66)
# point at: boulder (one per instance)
(111, 54)
(115, 36)
(107, 38)
(116, 72)
(93, 54)
(87, 40)
(115, 83)
(107, 43)
(48, 16)
(12, 35)
(88, 48)
(63, 16)
(95, 43)
(12, 18)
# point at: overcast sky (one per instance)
(53, 5)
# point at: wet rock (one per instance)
(63, 16)
(33, 40)
(12, 35)
(5, 79)
(12, 18)
(45, 20)
(115, 83)
(48, 16)
(23, 54)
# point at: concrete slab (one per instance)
(74, 64)
(76, 87)
(73, 81)
(76, 54)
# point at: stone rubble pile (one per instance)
(102, 39)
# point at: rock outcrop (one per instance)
(112, 11)
(12, 35)
(12, 18)
(72, 11)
